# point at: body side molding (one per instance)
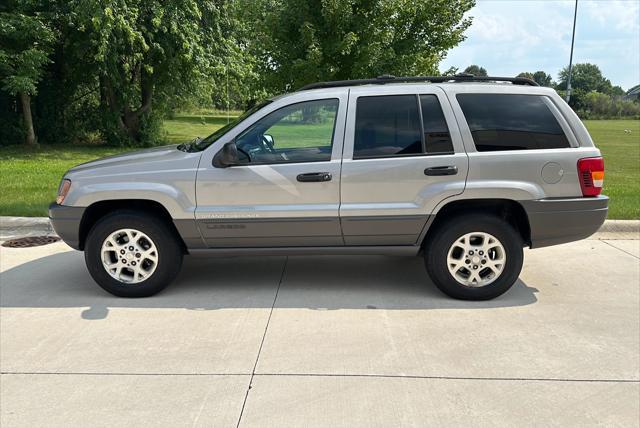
(388, 250)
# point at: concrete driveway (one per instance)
(322, 341)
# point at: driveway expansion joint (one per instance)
(383, 376)
(273, 304)
(620, 249)
(117, 374)
(321, 375)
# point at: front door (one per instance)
(286, 192)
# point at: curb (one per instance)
(14, 227)
(11, 227)
(7, 222)
(621, 226)
(618, 229)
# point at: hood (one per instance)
(147, 156)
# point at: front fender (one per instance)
(175, 199)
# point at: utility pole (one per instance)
(573, 36)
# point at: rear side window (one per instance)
(511, 122)
(387, 126)
(437, 139)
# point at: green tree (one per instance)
(585, 78)
(476, 70)
(25, 45)
(235, 81)
(542, 78)
(451, 71)
(145, 53)
(303, 41)
(526, 75)
(617, 91)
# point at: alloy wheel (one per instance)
(129, 256)
(476, 259)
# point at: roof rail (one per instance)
(387, 78)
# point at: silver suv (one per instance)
(464, 171)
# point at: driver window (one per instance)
(301, 132)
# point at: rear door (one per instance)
(403, 155)
(287, 190)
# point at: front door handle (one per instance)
(441, 170)
(314, 176)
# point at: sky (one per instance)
(511, 36)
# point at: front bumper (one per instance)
(66, 222)
(556, 221)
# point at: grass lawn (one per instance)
(185, 127)
(29, 179)
(621, 153)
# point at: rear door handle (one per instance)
(314, 176)
(441, 170)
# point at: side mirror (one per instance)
(227, 156)
(269, 139)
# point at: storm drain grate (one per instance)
(30, 241)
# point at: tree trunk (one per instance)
(131, 121)
(132, 118)
(25, 101)
(128, 120)
(108, 97)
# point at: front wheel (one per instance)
(474, 257)
(131, 254)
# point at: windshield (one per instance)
(206, 142)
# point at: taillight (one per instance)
(591, 174)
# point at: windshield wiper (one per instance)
(191, 146)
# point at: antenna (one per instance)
(573, 36)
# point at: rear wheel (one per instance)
(474, 257)
(131, 254)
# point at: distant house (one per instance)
(633, 94)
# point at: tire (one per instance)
(144, 271)
(470, 284)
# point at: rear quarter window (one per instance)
(437, 138)
(511, 122)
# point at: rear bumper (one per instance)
(556, 221)
(66, 222)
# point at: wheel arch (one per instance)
(94, 212)
(507, 209)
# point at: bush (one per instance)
(151, 130)
(597, 105)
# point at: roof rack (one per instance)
(387, 78)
